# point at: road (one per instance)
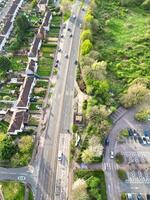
(60, 117)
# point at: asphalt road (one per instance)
(60, 116)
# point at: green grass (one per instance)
(44, 70)
(87, 175)
(19, 63)
(13, 190)
(30, 197)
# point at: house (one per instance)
(47, 20)
(34, 50)
(31, 68)
(2, 42)
(42, 5)
(26, 89)
(17, 122)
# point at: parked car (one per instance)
(71, 35)
(139, 197)
(21, 178)
(76, 62)
(62, 36)
(69, 29)
(148, 196)
(144, 140)
(130, 196)
(140, 140)
(130, 132)
(148, 140)
(106, 141)
(74, 17)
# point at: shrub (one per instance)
(86, 47)
(122, 174)
(119, 158)
(142, 115)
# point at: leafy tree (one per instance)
(135, 94)
(79, 190)
(7, 148)
(74, 128)
(88, 19)
(93, 185)
(5, 63)
(25, 144)
(87, 156)
(122, 174)
(146, 4)
(86, 34)
(86, 47)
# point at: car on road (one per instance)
(74, 17)
(139, 197)
(71, 35)
(106, 141)
(111, 154)
(60, 155)
(80, 26)
(57, 61)
(76, 62)
(83, 9)
(69, 29)
(66, 55)
(21, 178)
(61, 35)
(59, 49)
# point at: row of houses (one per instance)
(20, 112)
(9, 22)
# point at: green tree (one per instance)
(25, 144)
(87, 156)
(7, 148)
(5, 63)
(79, 190)
(135, 94)
(86, 34)
(86, 47)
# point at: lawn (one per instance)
(88, 176)
(13, 190)
(19, 63)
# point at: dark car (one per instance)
(148, 196)
(69, 29)
(57, 61)
(70, 35)
(76, 62)
(130, 132)
(139, 197)
(140, 140)
(106, 141)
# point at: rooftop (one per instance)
(47, 18)
(24, 95)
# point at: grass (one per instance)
(87, 175)
(13, 190)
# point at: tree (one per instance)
(99, 70)
(95, 146)
(87, 156)
(88, 19)
(93, 185)
(25, 144)
(7, 148)
(135, 94)
(86, 34)
(5, 63)
(146, 4)
(79, 190)
(86, 47)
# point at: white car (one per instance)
(148, 140)
(111, 154)
(21, 178)
(60, 155)
(144, 140)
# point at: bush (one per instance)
(142, 115)
(123, 196)
(122, 174)
(86, 47)
(119, 158)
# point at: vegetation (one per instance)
(119, 158)
(13, 190)
(143, 114)
(123, 196)
(93, 184)
(122, 174)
